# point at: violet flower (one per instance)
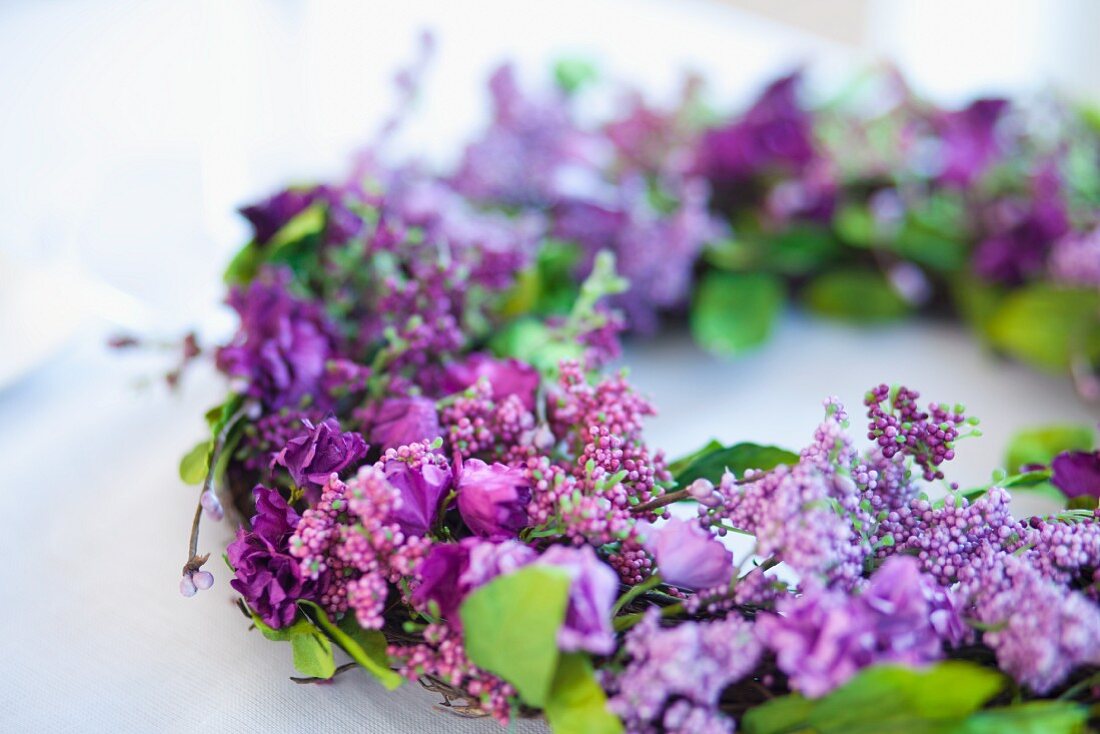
(267, 576)
(492, 499)
(453, 570)
(270, 215)
(402, 421)
(313, 456)
(505, 376)
(688, 556)
(969, 141)
(592, 591)
(422, 487)
(1077, 473)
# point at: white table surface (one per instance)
(97, 637)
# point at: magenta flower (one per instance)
(688, 556)
(969, 141)
(492, 499)
(591, 595)
(1077, 473)
(453, 570)
(314, 455)
(402, 421)
(422, 487)
(506, 377)
(267, 576)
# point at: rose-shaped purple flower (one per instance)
(592, 593)
(422, 488)
(688, 556)
(453, 570)
(401, 421)
(505, 376)
(1077, 473)
(314, 455)
(267, 576)
(492, 499)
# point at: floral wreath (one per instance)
(437, 473)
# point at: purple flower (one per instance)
(267, 576)
(592, 593)
(422, 487)
(505, 376)
(492, 499)
(1077, 473)
(825, 636)
(402, 421)
(969, 141)
(688, 556)
(314, 455)
(1075, 259)
(282, 345)
(270, 215)
(453, 570)
(776, 133)
(1022, 233)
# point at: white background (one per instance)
(128, 133)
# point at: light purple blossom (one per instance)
(592, 591)
(688, 556)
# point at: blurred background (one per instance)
(131, 130)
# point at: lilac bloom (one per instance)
(592, 591)
(314, 455)
(492, 499)
(969, 141)
(688, 556)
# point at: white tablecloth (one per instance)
(97, 637)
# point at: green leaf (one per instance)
(531, 340)
(312, 650)
(734, 312)
(737, 458)
(366, 647)
(884, 699)
(1033, 717)
(855, 225)
(1047, 326)
(679, 465)
(573, 74)
(196, 463)
(856, 295)
(306, 225)
(577, 704)
(976, 301)
(313, 655)
(511, 626)
(800, 250)
(1041, 445)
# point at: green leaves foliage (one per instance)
(734, 312)
(511, 628)
(1047, 326)
(196, 463)
(366, 647)
(1040, 445)
(884, 699)
(577, 704)
(711, 461)
(312, 650)
(288, 245)
(855, 294)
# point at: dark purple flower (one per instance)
(453, 570)
(591, 595)
(688, 556)
(270, 215)
(776, 133)
(314, 455)
(505, 376)
(267, 576)
(492, 499)
(1022, 233)
(282, 344)
(422, 488)
(402, 421)
(969, 141)
(1077, 473)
